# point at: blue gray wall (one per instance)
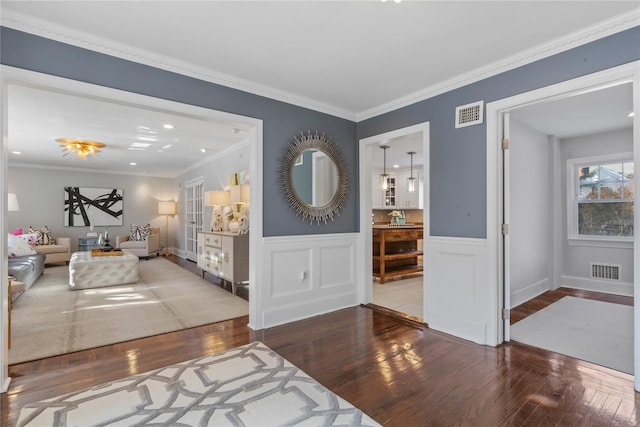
(458, 156)
(281, 121)
(457, 205)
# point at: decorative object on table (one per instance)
(217, 199)
(112, 252)
(239, 203)
(166, 209)
(82, 147)
(84, 207)
(106, 246)
(101, 240)
(12, 202)
(332, 178)
(397, 217)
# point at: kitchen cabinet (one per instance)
(225, 255)
(397, 251)
(397, 196)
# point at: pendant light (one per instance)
(383, 182)
(411, 181)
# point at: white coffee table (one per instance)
(87, 271)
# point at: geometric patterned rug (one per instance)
(249, 385)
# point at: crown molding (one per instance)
(575, 39)
(84, 40)
(49, 30)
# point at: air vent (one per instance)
(605, 271)
(470, 114)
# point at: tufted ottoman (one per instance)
(86, 271)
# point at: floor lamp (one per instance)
(166, 209)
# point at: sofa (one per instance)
(57, 253)
(26, 268)
(141, 248)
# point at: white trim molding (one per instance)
(575, 39)
(305, 276)
(460, 297)
(606, 286)
(84, 40)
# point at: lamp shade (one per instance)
(12, 202)
(244, 193)
(167, 208)
(217, 198)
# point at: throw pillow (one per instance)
(18, 247)
(44, 235)
(31, 239)
(17, 232)
(139, 233)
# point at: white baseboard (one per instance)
(523, 295)
(606, 286)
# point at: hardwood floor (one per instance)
(541, 301)
(399, 374)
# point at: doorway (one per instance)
(369, 149)
(557, 222)
(12, 76)
(193, 216)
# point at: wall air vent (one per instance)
(470, 114)
(605, 271)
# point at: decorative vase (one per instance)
(234, 226)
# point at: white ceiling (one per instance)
(348, 58)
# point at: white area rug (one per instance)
(49, 319)
(246, 386)
(595, 331)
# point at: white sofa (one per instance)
(60, 252)
(144, 248)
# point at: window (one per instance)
(603, 202)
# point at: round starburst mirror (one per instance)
(314, 177)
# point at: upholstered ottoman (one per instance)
(86, 271)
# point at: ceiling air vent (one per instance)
(470, 114)
(605, 271)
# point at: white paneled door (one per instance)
(193, 193)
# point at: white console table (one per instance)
(225, 255)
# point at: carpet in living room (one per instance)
(595, 331)
(50, 319)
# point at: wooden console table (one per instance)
(395, 251)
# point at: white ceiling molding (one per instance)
(63, 34)
(586, 35)
(84, 40)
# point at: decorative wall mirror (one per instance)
(314, 177)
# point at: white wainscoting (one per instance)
(589, 284)
(305, 276)
(461, 298)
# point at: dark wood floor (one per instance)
(399, 374)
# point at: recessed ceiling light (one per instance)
(396, 166)
(631, 114)
(16, 152)
(203, 150)
(140, 144)
(133, 163)
(168, 126)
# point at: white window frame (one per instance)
(572, 197)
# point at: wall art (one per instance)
(89, 207)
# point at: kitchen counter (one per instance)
(396, 250)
